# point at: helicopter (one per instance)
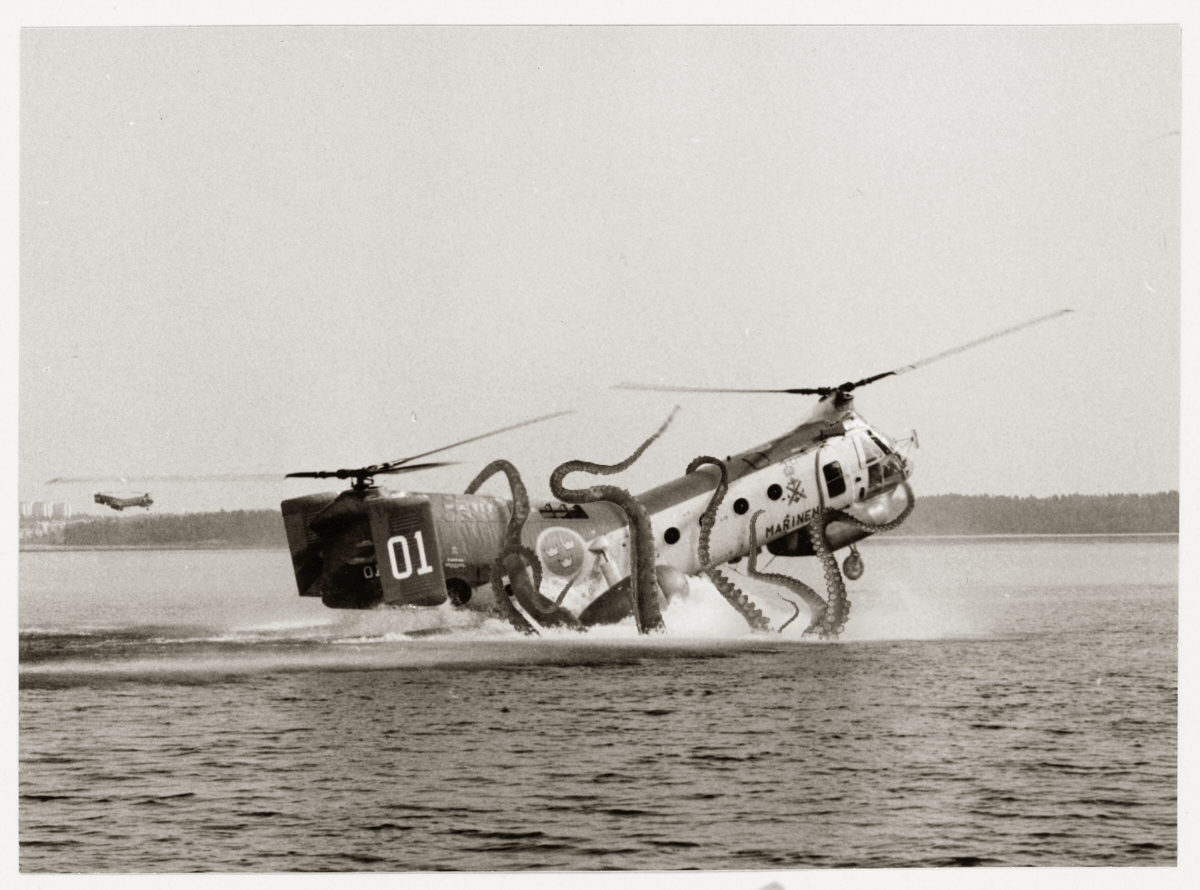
(119, 503)
(597, 555)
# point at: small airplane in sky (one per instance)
(820, 487)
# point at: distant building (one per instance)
(45, 510)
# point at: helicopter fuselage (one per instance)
(121, 503)
(358, 548)
(835, 478)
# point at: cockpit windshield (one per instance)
(878, 441)
(871, 449)
(884, 467)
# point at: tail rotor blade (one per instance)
(201, 477)
(361, 475)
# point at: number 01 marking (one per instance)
(424, 569)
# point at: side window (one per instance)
(835, 484)
(874, 476)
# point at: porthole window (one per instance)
(740, 506)
(671, 535)
(775, 492)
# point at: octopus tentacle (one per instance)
(883, 527)
(838, 608)
(520, 508)
(816, 605)
(512, 539)
(839, 605)
(754, 617)
(708, 517)
(643, 581)
(519, 621)
(795, 613)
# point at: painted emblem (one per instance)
(561, 551)
(795, 491)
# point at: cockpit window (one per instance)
(835, 483)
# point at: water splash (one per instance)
(452, 638)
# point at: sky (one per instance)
(258, 250)
(268, 249)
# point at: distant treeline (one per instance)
(236, 528)
(944, 514)
(1071, 514)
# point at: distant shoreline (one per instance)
(1149, 537)
(946, 518)
(1002, 536)
(35, 548)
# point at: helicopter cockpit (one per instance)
(884, 466)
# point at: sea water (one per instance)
(992, 702)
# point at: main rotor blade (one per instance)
(850, 386)
(367, 471)
(412, 468)
(395, 463)
(957, 349)
(817, 391)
